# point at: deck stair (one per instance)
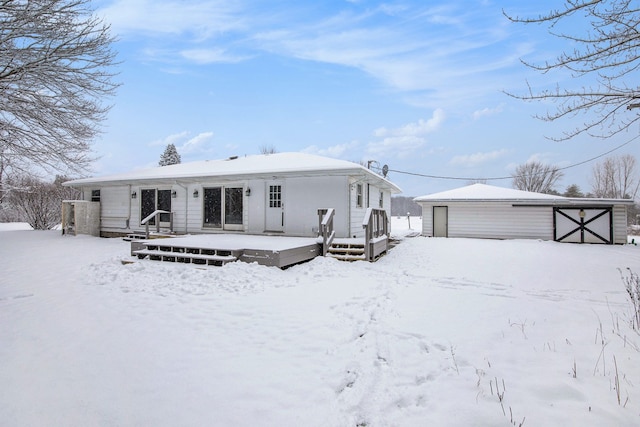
(188, 255)
(221, 249)
(347, 250)
(142, 236)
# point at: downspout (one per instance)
(350, 193)
(129, 211)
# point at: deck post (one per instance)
(375, 225)
(325, 229)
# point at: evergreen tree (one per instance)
(573, 191)
(170, 156)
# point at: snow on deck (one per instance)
(237, 242)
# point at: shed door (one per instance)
(440, 221)
(274, 217)
(583, 225)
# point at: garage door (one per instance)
(583, 225)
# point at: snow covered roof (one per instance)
(484, 192)
(298, 164)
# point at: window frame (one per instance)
(229, 194)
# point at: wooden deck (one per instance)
(220, 249)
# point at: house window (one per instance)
(381, 201)
(275, 196)
(223, 207)
(359, 195)
(95, 195)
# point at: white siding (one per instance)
(114, 207)
(177, 207)
(501, 220)
(302, 197)
(620, 225)
(427, 219)
(305, 195)
(357, 212)
(493, 220)
(371, 198)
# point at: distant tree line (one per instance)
(401, 205)
(34, 201)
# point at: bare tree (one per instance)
(268, 149)
(55, 69)
(604, 59)
(537, 177)
(616, 178)
(38, 202)
(477, 181)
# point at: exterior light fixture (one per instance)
(173, 194)
(134, 195)
(582, 213)
(195, 194)
(248, 192)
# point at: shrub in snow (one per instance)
(632, 285)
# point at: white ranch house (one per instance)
(281, 194)
(490, 212)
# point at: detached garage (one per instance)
(488, 212)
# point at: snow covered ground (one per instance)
(438, 332)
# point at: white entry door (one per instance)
(274, 220)
(440, 221)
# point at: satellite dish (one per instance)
(385, 170)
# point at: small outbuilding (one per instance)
(491, 212)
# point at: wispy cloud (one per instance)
(185, 144)
(171, 139)
(477, 159)
(486, 112)
(199, 19)
(197, 143)
(443, 52)
(419, 128)
(335, 151)
(404, 140)
(209, 56)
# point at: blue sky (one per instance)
(416, 85)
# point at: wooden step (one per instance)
(346, 257)
(142, 236)
(185, 257)
(347, 250)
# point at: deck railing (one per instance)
(376, 233)
(325, 228)
(155, 215)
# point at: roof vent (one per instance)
(232, 158)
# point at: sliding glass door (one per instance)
(223, 208)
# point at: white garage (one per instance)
(489, 212)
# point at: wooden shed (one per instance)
(491, 212)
